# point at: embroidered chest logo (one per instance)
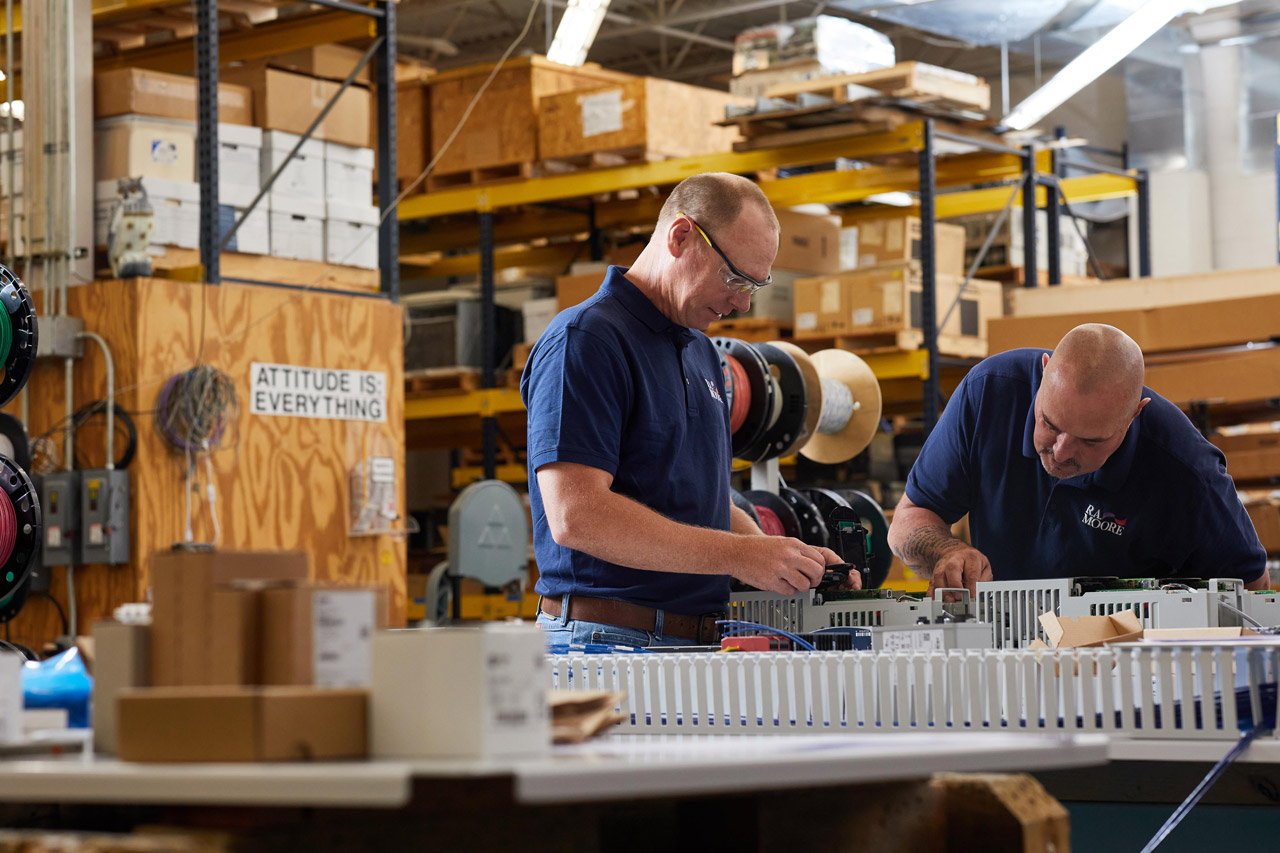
(1104, 521)
(715, 392)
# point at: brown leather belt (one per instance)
(702, 629)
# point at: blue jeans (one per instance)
(561, 631)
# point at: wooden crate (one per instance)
(882, 306)
(915, 81)
(500, 139)
(642, 118)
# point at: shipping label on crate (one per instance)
(601, 113)
(316, 392)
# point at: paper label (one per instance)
(342, 625)
(807, 320)
(53, 537)
(10, 697)
(515, 689)
(164, 152)
(863, 317)
(925, 640)
(382, 469)
(601, 112)
(96, 536)
(829, 297)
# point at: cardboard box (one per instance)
(348, 174)
(1265, 515)
(887, 241)
(1252, 450)
(1203, 325)
(184, 629)
(319, 634)
(808, 242)
(143, 147)
(351, 234)
(251, 238)
(239, 164)
(489, 683)
(297, 236)
(660, 117)
(332, 61)
(886, 299)
(1227, 376)
(777, 301)
(242, 724)
(1090, 631)
(122, 659)
(416, 592)
(538, 314)
(140, 91)
(283, 100)
(303, 176)
(572, 289)
(1142, 293)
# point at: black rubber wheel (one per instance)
(813, 525)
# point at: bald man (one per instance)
(629, 445)
(1111, 479)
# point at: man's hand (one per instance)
(962, 566)
(780, 564)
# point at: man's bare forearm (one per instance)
(921, 548)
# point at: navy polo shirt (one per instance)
(1161, 506)
(612, 383)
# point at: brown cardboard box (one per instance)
(1141, 293)
(320, 633)
(1227, 376)
(886, 241)
(1090, 631)
(121, 660)
(242, 724)
(572, 289)
(1201, 325)
(236, 658)
(1252, 450)
(335, 61)
(138, 91)
(283, 100)
(1265, 515)
(808, 242)
(144, 147)
(184, 626)
(886, 299)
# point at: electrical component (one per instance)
(60, 500)
(104, 516)
(813, 610)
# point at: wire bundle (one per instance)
(770, 524)
(8, 533)
(194, 407)
(6, 335)
(740, 389)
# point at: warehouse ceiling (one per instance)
(692, 40)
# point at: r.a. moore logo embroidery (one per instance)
(1104, 521)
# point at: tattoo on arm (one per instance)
(924, 546)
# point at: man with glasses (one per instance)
(628, 444)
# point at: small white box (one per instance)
(10, 696)
(460, 693)
(176, 205)
(251, 238)
(351, 235)
(303, 177)
(538, 314)
(17, 158)
(133, 146)
(296, 236)
(348, 174)
(239, 164)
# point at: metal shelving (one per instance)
(1034, 167)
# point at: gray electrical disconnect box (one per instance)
(60, 507)
(104, 516)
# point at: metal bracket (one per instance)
(59, 336)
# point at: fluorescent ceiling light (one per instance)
(1095, 60)
(577, 30)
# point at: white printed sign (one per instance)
(342, 624)
(317, 392)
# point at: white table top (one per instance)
(618, 767)
(1261, 751)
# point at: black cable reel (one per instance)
(20, 520)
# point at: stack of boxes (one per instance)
(248, 632)
(319, 209)
(1006, 248)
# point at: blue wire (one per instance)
(1194, 797)
(739, 624)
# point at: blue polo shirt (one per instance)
(612, 383)
(1161, 506)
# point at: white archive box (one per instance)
(10, 696)
(460, 693)
(296, 232)
(251, 238)
(348, 174)
(303, 177)
(351, 235)
(239, 164)
(176, 205)
(133, 146)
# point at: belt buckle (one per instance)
(703, 624)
